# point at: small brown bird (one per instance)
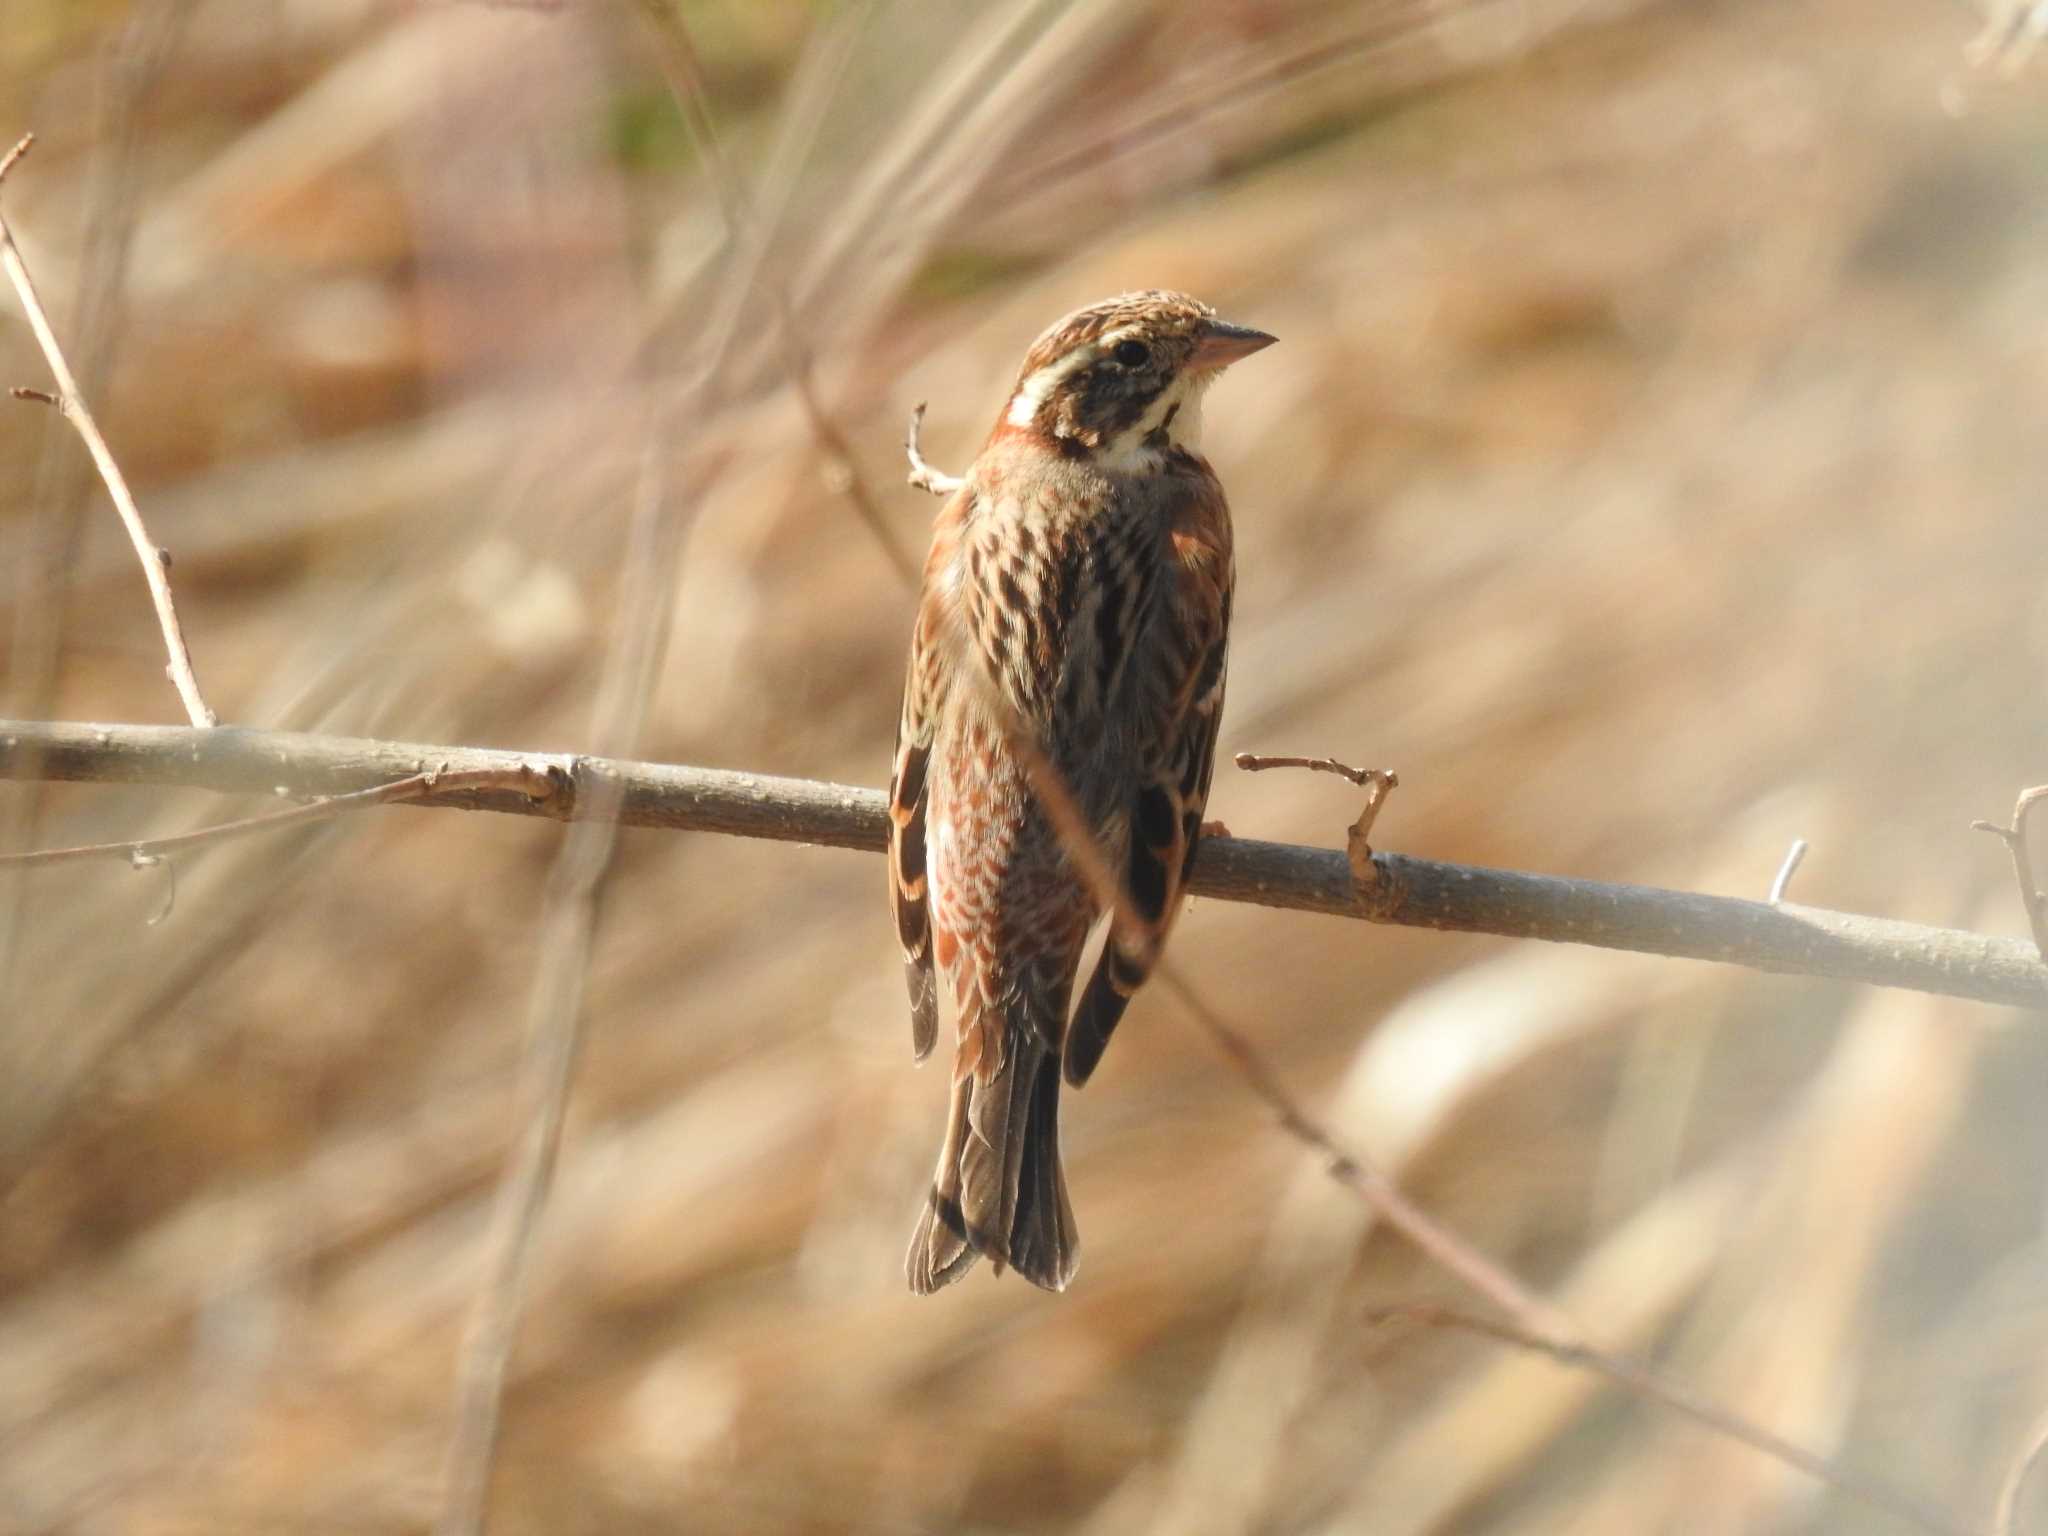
(1076, 601)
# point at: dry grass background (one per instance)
(1651, 471)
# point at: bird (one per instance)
(1065, 681)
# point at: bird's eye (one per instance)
(1132, 354)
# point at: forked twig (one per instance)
(923, 475)
(1639, 1379)
(156, 560)
(2033, 901)
(1378, 783)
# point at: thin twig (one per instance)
(155, 560)
(1794, 856)
(53, 531)
(536, 782)
(1441, 1246)
(922, 475)
(2002, 1521)
(843, 470)
(1641, 1381)
(1252, 762)
(1378, 783)
(1416, 893)
(2033, 901)
(1534, 1323)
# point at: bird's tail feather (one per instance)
(999, 1189)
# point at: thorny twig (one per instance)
(2032, 899)
(1641, 1381)
(156, 561)
(922, 475)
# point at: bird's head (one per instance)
(1121, 381)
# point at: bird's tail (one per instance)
(999, 1189)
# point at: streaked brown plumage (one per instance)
(1076, 601)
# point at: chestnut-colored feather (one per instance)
(1076, 598)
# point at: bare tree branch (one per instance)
(1411, 892)
(156, 561)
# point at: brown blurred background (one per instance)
(1652, 471)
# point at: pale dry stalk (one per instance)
(156, 560)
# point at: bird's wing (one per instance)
(1165, 817)
(923, 696)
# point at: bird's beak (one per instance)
(1218, 344)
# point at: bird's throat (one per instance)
(1174, 421)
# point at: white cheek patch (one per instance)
(1038, 388)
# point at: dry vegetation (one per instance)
(1651, 472)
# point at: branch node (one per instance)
(923, 475)
(1793, 857)
(1378, 783)
(2033, 901)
